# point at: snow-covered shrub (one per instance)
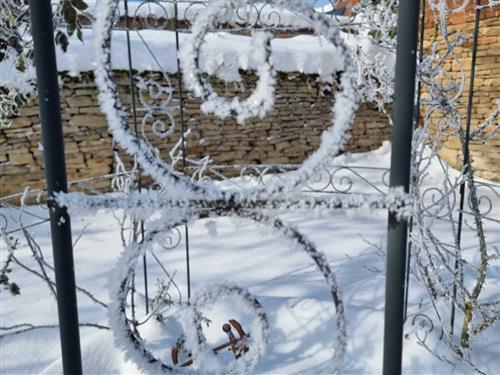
(16, 47)
(454, 279)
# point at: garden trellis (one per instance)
(186, 191)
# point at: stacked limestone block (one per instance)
(286, 136)
(485, 156)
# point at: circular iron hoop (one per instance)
(134, 346)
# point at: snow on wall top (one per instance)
(223, 54)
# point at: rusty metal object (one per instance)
(237, 345)
(176, 353)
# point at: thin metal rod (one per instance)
(131, 72)
(183, 131)
(136, 129)
(415, 126)
(145, 272)
(132, 298)
(397, 236)
(467, 161)
(55, 175)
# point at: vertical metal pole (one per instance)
(467, 162)
(183, 130)
(404, 101)
(134, 121)
(55, 175)
(415, 126)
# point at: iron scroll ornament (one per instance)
(334, 139)
(181, 188)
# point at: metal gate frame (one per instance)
(405, 118)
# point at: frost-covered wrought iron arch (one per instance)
(192, 199)
(233, 202)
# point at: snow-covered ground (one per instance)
(285, 281)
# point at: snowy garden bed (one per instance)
(302, 319)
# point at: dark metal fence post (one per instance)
(415, 126)
(467, 162)
(404, 101)
(136, 131)
(55, 174)
(183, 131)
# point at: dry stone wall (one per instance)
(286, 136)
(485, 156)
